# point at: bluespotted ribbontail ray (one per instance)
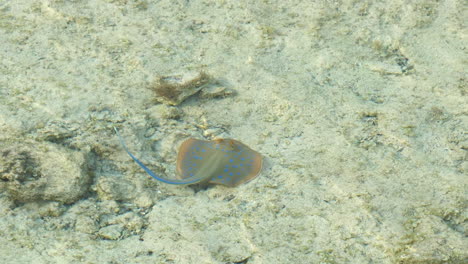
(222, 161)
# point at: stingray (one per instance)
(221, 161)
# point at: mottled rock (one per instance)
(132, 222)
(144, 200)
(51, 209)
(112, 189)
(112, 232)
(43, 171)
(86, 224)
(433, 240)
(215, 91)
(164, 112)
(57, 131)
(173, 90)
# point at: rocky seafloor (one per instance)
(358, 108)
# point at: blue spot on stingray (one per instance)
(226, 170)
(231, 160)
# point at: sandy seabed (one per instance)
(358, 107)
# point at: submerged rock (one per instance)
(43, 171)
(112, 232)
(173, 90)
(214, 91)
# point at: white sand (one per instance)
(359, 108)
